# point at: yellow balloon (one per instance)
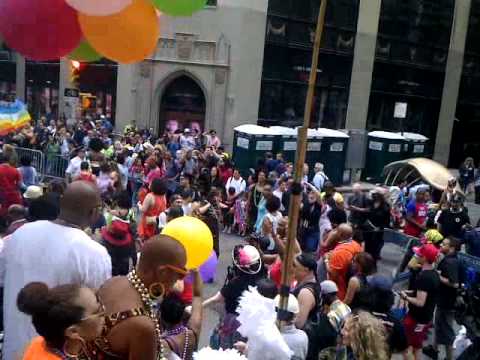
(195, 236)
(126, 37)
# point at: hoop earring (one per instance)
(156, 290)
(70, 355)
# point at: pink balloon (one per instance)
(99, 7)
(40, 29)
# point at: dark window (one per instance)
(415, 31)
(465, 141)
(211, 2)
(290, 35)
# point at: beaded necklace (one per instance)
(149, 306)
(177, 331)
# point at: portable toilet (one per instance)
(250, 144)
(382, 149)
(333, 154)
(416, 146)
(287, 142)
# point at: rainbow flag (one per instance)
(13, 117)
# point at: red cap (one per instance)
(427, 251)
(117, 233)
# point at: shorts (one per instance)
(444, 320)
(416, 333)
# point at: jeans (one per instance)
(374, 243)
(310, 240)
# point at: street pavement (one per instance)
(391, 257)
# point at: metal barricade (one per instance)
(36, 157)
(55, 166)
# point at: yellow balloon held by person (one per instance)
(195, 236)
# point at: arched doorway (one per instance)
(182, 105)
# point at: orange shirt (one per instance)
(37, 350)
(340, 261)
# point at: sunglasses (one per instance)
(182, 272)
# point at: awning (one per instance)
(416, 169)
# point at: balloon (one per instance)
(99, 7)
(194, 235)
(126, 37)
(179, 7)
(84, 52)
(209, 268)
(40, 29)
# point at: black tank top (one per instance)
(314, 288)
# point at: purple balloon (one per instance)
(209, 268)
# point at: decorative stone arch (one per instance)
(163, 85)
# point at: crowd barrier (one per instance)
(469, 264)
(47, 166)
(35, 156)
(55, 166)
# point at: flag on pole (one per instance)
(13, 116)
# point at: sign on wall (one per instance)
(395, 148)
(375, 145)
(264, 145)
(243, 143)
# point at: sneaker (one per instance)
(430, 352)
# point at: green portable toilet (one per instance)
(382, 148)
(314, 150)
(250, 144)
(416, 146)
(287, 142)
(334, 153)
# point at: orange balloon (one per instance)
(126, 37)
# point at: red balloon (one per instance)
(39, 29)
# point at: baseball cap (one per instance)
(328, 287)
(292, 307)
(33, 192)
(433, 236)
(428, 251)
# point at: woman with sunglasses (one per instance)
(65, 317)
(132, 326)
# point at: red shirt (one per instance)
(419, 212)
(225, 173)
(10, 180)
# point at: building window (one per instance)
(211, 2)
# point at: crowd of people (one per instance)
(99, 228)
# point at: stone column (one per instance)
(126, 96)
(20, 77)
(453, 77)
(363, 61)
(63, 83)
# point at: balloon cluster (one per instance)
(125, 31)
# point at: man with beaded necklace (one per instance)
(132, 329)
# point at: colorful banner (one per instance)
(13, 117)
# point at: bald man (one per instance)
(161, 265)
(54, 252)
(341, 257)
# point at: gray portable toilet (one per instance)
(382, 148)
(417, 145)
(250, 144)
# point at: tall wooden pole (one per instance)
(296, 195)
